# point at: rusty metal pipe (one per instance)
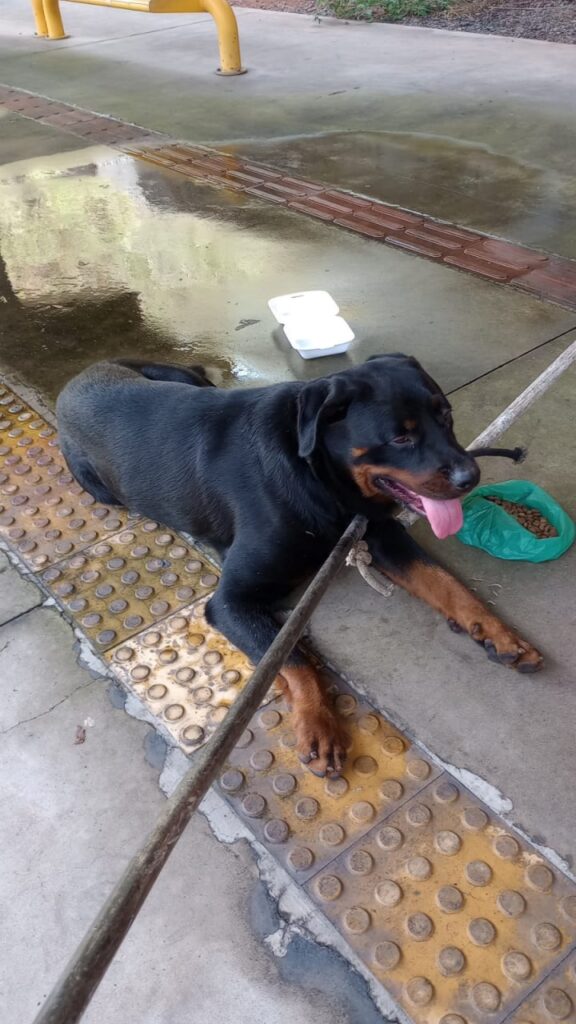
(72, 993)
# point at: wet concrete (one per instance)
(112, 257)
(24, 140)
(319, 970)
(479, 130)
(462, 181)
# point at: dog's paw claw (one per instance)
(527, 668)
(321, 742)
(505, 648)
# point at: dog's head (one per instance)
(388, 425)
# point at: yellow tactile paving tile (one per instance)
(44, 514)
(452, 912)
(186, 674)
(555, 999)
(129, 581)
(308, 820)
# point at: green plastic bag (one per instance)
(490, 527)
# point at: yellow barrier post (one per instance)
(49, 22)
(39, 18)
(228, 41)
(54, 20)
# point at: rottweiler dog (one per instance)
(270, 477)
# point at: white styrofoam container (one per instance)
(302, 304)
(321, 336)
(311, 323)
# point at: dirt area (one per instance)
(554, 20)
(292, 6)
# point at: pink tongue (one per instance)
(445, 517)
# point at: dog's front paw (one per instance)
(505, 647)
(321, 739)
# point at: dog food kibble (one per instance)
(530, 518)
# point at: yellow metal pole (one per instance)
(228, 41)
(54, 19)
(39, 18)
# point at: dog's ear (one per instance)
(320, 401)
(399, 357)
(396, 355)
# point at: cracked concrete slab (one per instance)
(76, 813)
(17, 595)
(34, 653)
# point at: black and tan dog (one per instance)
(270, 477)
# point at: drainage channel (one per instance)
(458, 917)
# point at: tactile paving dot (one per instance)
(123, 584)
(44, 514)
(554, 1000)
(458, 918)
(187, 674)
(309, 820)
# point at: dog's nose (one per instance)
(465, 476)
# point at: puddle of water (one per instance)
(453, 179)
(113, 258)
(118, 258)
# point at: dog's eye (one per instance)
(402, 440)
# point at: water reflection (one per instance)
(116, 258)
(468, 182)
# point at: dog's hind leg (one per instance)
(84, 473)
(195, 375)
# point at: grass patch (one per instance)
(381, 10)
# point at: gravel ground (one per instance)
(554, 20)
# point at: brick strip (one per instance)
(83, 123)
(551, 278)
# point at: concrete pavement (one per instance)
(73, 815)
(102, 256)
